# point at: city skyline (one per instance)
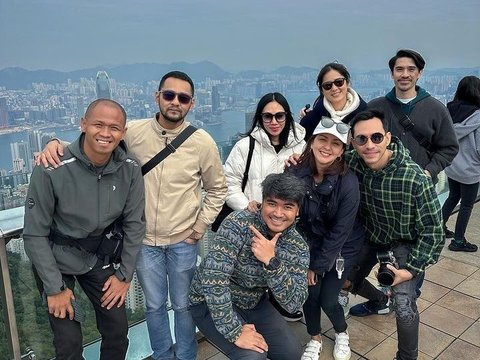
(261, 34)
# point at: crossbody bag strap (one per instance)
(251, 146)
(169, 149)
(408, 125)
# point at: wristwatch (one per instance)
(273, 264)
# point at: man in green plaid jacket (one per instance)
(402, 218)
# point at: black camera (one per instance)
(386, 276)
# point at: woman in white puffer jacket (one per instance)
(277, 136)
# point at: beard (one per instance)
(174, 119)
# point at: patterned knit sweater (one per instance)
(231, 274)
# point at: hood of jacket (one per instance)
(407, 108)
(460, 110)
(467, 126)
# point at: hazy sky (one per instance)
(237, 35)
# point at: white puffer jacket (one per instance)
(264, 161)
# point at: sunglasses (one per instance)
(327, 85)
(280, 116)
(169, 95)
(376, 138)
(342, 128)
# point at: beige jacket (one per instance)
(173, 189)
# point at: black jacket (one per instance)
(328, 219)
(312, 118)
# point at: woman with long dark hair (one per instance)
(337, 100)
(276, 136)
(464, 172)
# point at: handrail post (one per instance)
(6, 295)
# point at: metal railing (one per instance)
(11, 226)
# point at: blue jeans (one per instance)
(156, 265)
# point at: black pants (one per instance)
(112, 324)
(324, 295)
(466, 194)
(282, 342)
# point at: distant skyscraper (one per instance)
(215, 100)
(3, 113)
(22, 157)
(249, 120)
(103, 85)
(35, 140)
(80, 107)
(135, 299)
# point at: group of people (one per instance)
(315, 203)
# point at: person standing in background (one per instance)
(337, 100)
(464, 172)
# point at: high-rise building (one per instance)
(22, 157)
(135, 299)
(3, 113)
(215, 100)
(249, 120)
(103, 85)
(35, 140)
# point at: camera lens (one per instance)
(385, 276)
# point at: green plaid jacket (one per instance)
(399, 204)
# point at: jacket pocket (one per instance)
(73, 261)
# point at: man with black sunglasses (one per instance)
(401, 214)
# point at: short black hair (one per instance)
(284, 186)
(367, 115)
(177, 75)
(408, 53)
(108, 102)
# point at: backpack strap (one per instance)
(169, 149)
(251, 146)
(408, 125)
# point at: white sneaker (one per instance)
(312, 350)
(342, 351)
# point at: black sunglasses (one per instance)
(327, 85)
(280, 116)
(342, 128)
(169, 95)
(376, 138)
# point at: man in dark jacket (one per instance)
(68, 231)
(420, 121)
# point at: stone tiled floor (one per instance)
(449, 314)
